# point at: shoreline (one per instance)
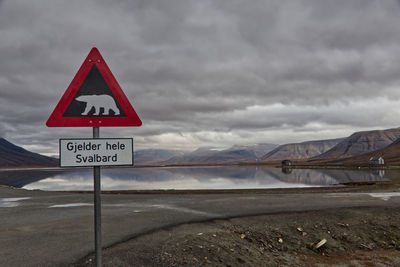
(295, 165)
(351, 187)
(383, 186)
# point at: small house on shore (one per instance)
(286, 162)
(376, 161)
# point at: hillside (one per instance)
(391, 155)
(360, 143)
(234, 154)
(302, 150)
(15, 156)
(154, 156)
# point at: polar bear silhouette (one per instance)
(98, 102)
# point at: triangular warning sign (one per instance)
(93, 99)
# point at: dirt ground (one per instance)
(337, 237)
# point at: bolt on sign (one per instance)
(95, 99)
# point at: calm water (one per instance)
(233, 177)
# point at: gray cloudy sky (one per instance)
(206, 73)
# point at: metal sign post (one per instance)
(97, 205)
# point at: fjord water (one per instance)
(221, 177)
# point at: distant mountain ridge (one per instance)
(360, 143)
(154, 156)
(390, 154)
(355, 149)
(15, 156)
(300, 151)
(235, 154)
(319, 151)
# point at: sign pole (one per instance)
(97, 205)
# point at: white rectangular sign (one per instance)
(96, 152)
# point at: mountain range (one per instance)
(15, 156)
(360, 143)
(235, 154)
(358, 148)
(154, 156)
(390, 153)
(304, 150)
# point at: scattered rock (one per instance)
(365, 246)
(320, 244)
(242, 236)
(280, 240)
(301, 230)
(241, 260)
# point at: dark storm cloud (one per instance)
(206, 72)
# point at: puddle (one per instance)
(385, 196)
(186, 210)
(382, 196)
(11, 202)
(71, 205)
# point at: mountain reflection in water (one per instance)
(221, 177)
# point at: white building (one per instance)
(377, 161)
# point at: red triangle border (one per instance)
(56, 118)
